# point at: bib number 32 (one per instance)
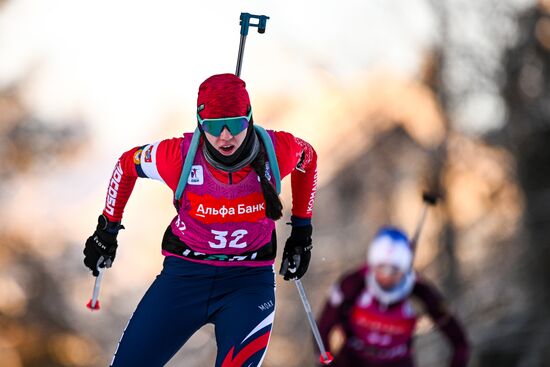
(235, 237)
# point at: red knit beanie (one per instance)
(223, 95)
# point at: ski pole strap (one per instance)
(189, 158)
(271, 156)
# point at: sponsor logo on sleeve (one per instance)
(112, 192)
(312, 195)
(148, 165)
(148, 155)
(137, 156)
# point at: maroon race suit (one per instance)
(377, 335)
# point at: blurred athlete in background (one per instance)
(377, 306)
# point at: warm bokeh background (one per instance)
(397, 96)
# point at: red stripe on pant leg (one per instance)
(254, 346)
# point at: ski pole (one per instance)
(93, 304)
(245, 24)
(429, 199)
(325, 357)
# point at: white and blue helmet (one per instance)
(391, 246)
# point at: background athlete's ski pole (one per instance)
(325, 357)
(245, 24)
(429, 199)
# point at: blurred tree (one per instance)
(28, 142)
(35, 325)
(507, 66)
(527, 132)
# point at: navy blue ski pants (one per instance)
(238, 300)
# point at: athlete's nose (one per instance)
(225, 134)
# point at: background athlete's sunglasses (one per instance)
(235, 125)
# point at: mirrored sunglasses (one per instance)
(235, 125)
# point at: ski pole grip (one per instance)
(245, 23)
(430, 198)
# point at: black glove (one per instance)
(100, 248)
(297, 252)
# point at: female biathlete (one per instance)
(377, 305)
(220, 247)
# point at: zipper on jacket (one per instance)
(230, 178)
